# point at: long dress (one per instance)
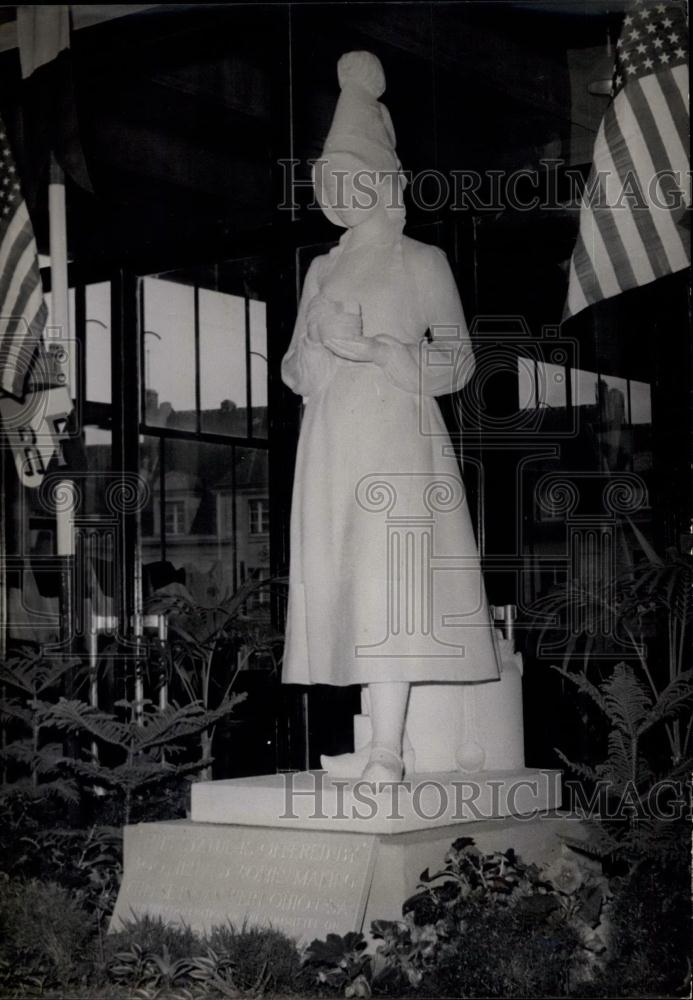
(384, 581)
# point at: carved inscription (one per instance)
(305, 883)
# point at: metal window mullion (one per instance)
(162, 497)
(248, 379)
(234, 518)
(81, 339)
(198, 415)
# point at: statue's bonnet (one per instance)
(361, 137)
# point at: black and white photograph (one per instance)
(346, 500)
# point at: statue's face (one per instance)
(355, 193)
(358, 196)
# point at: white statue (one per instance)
(385, 584)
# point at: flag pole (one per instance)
(60, 321)
(58, 250)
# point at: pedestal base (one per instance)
(310, 855)
(306, 884)
(311, 800)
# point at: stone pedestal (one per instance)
(310, 855)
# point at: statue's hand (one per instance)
(375, 349)
(327, 320)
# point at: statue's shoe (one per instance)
(351, 765)
(383, 765)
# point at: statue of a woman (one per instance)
(380, 332)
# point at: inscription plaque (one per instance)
(305, 883)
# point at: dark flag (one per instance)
(49, 114)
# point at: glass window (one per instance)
(551, 385)
(223, 390)
(98, 342)
(526, 383)
(258, 366)
(169, 353)
(541, 384)
(584, 387)
(205, 350)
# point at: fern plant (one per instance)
(626, 774)
(152, 748)
(640, 699)
(32, 763)
(209, 646)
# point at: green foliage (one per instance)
(653, 600)
(340, 962)
(44, 936)
(651, 923)
(146, 747)
(87, 863)
(157, 959)
(152, 745)
(628, 827)
(208, 646)
(258, 954)
(484, 925)
(32, 763)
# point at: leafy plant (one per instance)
(158, 959)
(152, 748)
(484, 925)
(628, 825)
(209, 646)
(339, 961)
(653, 599)
(44, 934)
(644, 707)
(31, 763)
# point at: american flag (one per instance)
(23, 311)
(633, 218)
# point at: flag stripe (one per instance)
(29, 292)
(23, 269)
(649, 126)
(22, 308)
(635, 261)
(577, 300)
(586, 272)
(13, 259)
(14, 228)
(670, 248)
(674, 87)
(620, 148)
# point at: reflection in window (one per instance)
(258, 516)
(175, 517)
(199, 531)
